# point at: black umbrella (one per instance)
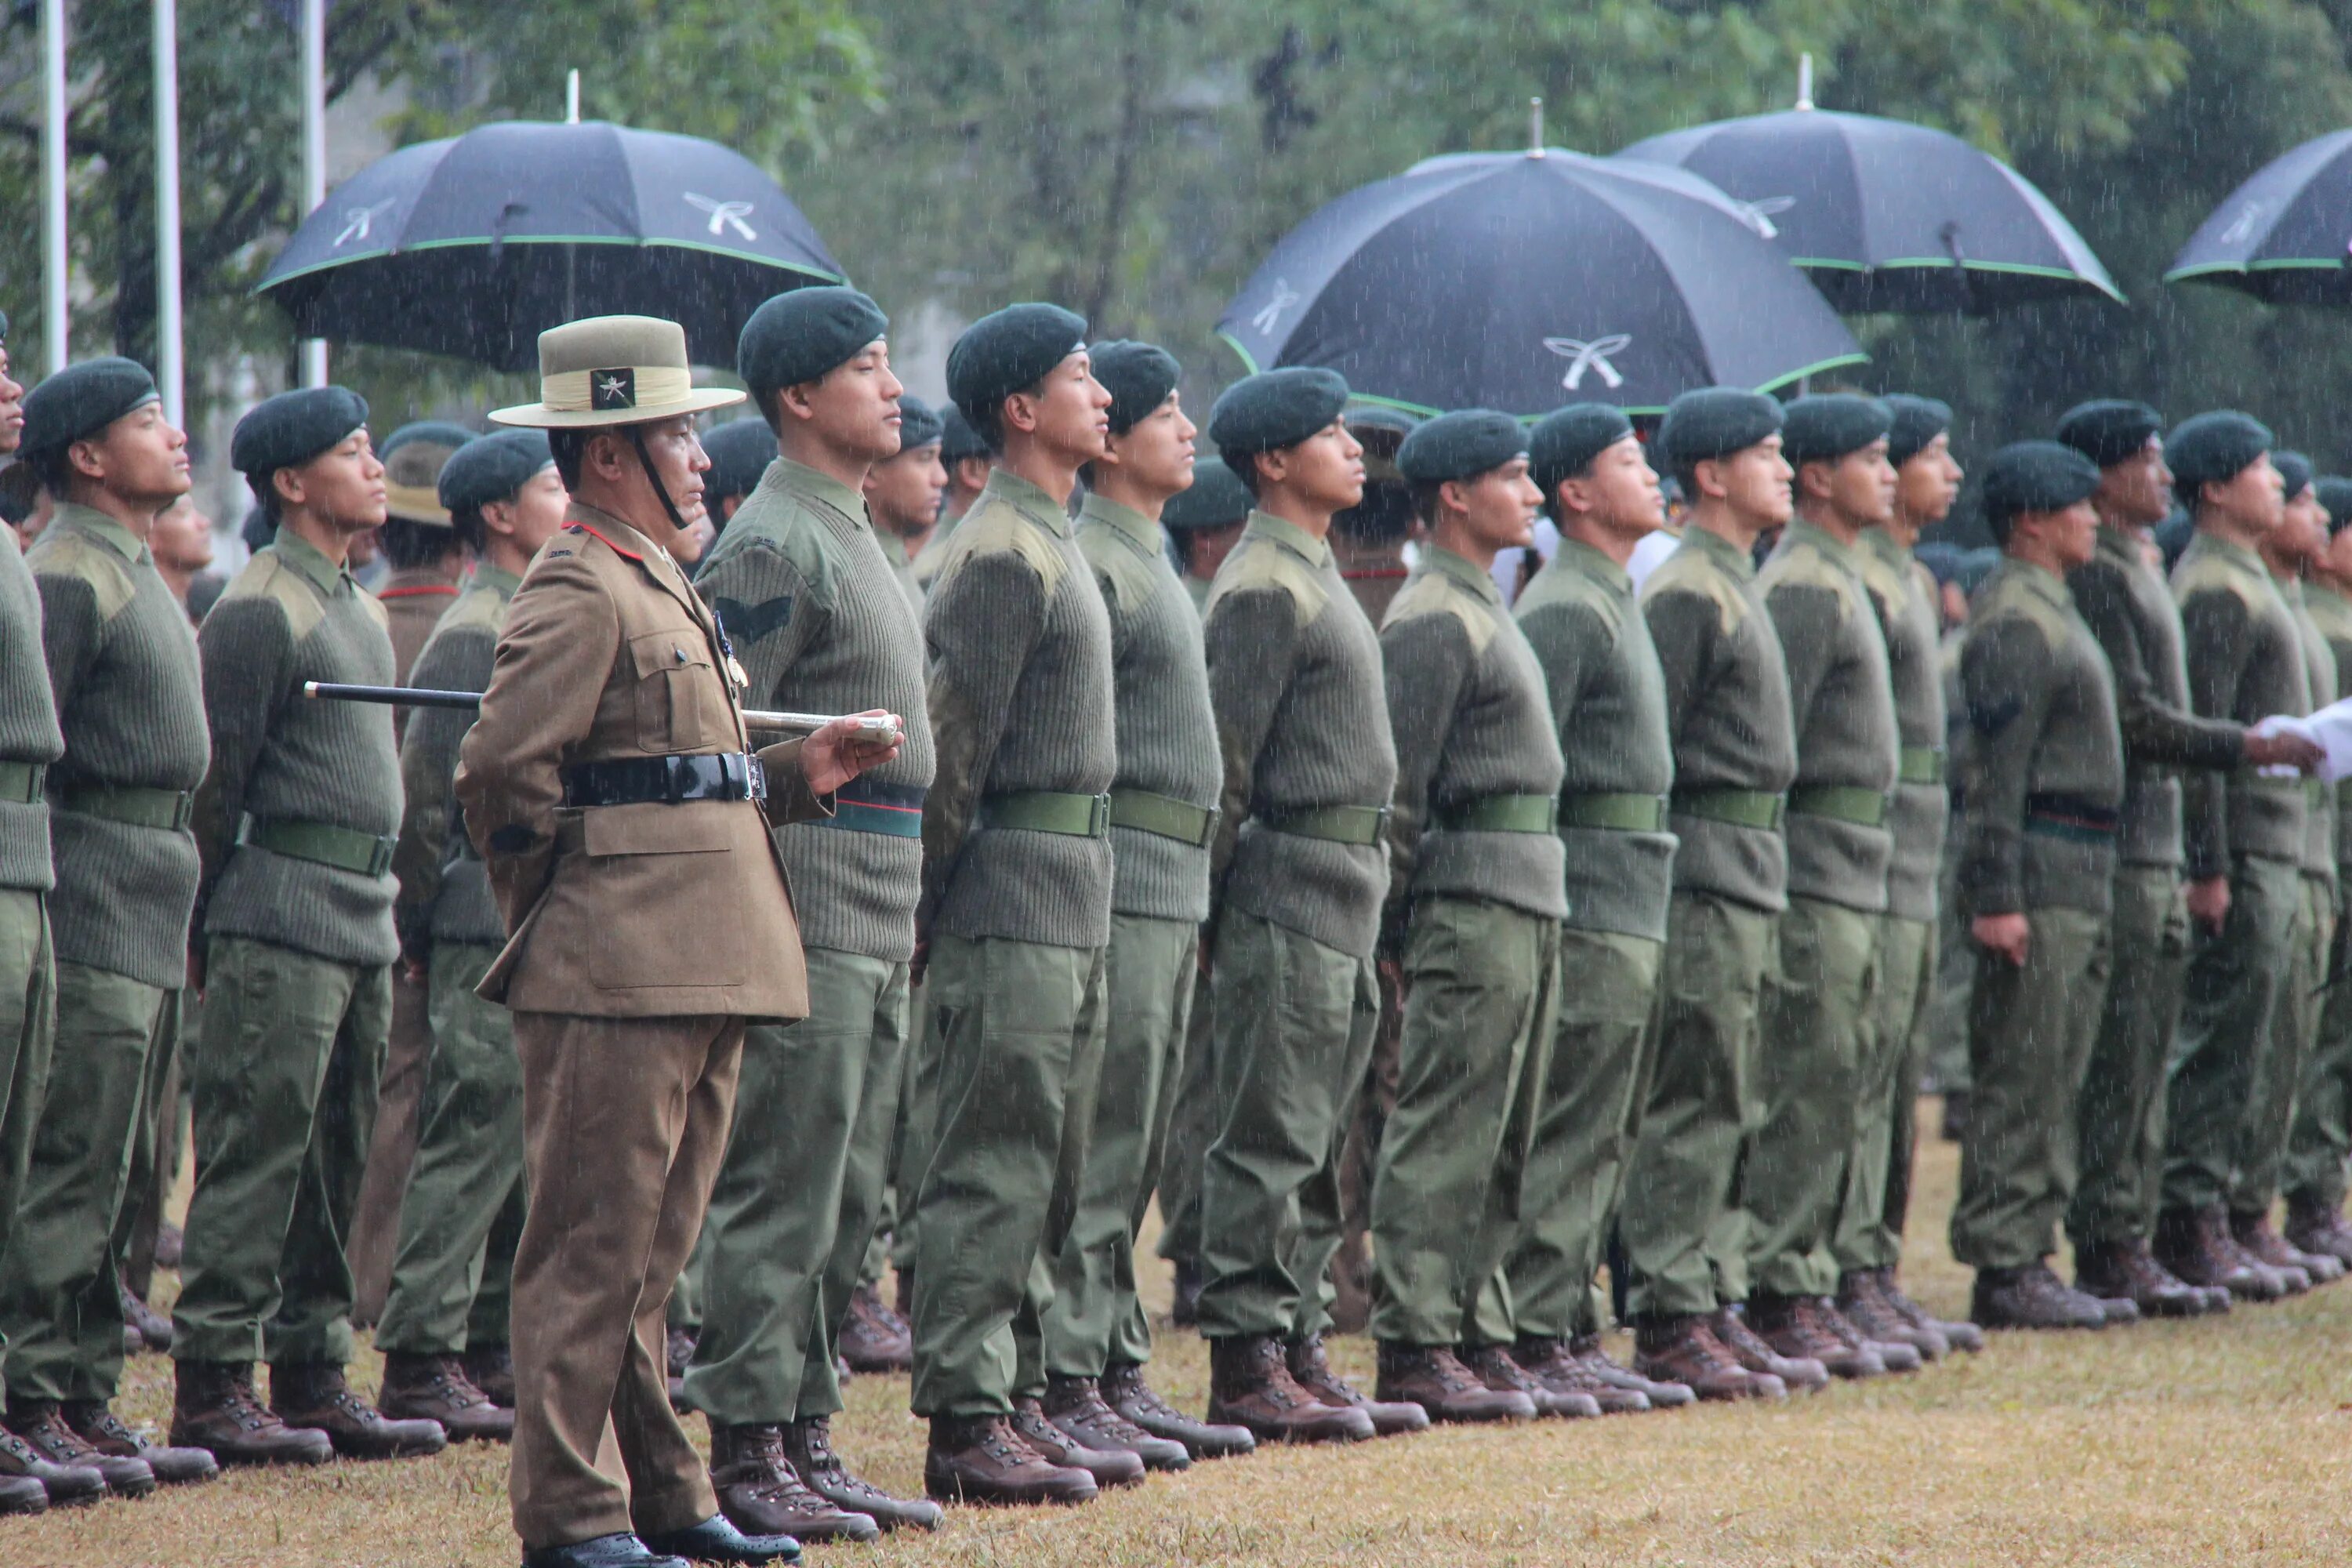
(1524, 280)
(2285, 234)
(1887, 216)
(473, 247)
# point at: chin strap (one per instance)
(661, 492)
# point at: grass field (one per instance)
(2219, 1440)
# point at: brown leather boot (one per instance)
(154, 1329)
(214, 1407)
(1125, 1391)
(1495, 1366)
(63, 1485)
(2255, 1234)
(436, 1388)
(2031, 1297)
(1964, 1337)
(1898, 1355)
(1548, 1363)
(491, 1368)
(1109, 1466)
(1662, 1395)
(1860, 1303)
(1251, 1386)
(873, 1337)
(761, 1493)
(1433, 1377)
(1684, 1349)
(808, 1444)
(22, 1494)
(1312, 1368)
(313, 1393)
(1075, 1406)
(41, 1423)
(981, 1459)
(1798, 1328)
(1738, 1335)
(2124, 1270)
(2314, 1225)
(96, 1424)
(2195, 1246)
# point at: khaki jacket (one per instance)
(636, 911)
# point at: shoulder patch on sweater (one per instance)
(60, 554)
(1437, 595)
(267, 577)
(1554, 589)
(1885, 582)
(1125, 577)
(2030, 607)
(1689, 572)
(998, 528)
(2212, 575)
(1803, 567)
(1257, 563)
(475, 608)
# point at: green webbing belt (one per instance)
(1617, 813)
(1757, 808)
(1048, 811)
(1336, 823)
(1921, 765)
(1163, 814)
(20, 783)
(1503, 814)
(345, 848)
(1840, 802)
(139, 807)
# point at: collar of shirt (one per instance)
(786, 476)
(1465, 574)
(2230, 550)
(311, 563)
(1574, 555)
(1740, 564)
(98, 525)
(1316, 552)
(1027, 500)
(1130, 525)
(2121, 548)
(497, 577)
(2039, 581)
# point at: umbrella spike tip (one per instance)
(1805, 81)
(1535, 128)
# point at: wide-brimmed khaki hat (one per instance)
(614, 370)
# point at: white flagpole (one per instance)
(53, 184)
(314, 152)
(171, 372)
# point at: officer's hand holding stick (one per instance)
(2004, 934)
(845, 747)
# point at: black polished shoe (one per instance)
(617, 1550)
(716, 1541)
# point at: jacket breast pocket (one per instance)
(663, 872)
(681, 703)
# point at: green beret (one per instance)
(958, 439)
(291, 428)
(2109, 430)
(1011, 352)
(1216, 499)
(799, 335)
(1974, 568)
(918, 425)
(1825, 428)
(1714, 421)
(2213, 447)
(1461, 444)
(412, 456)
(740, 451)
(81, 400)
(1565, 441)
(491, 468)
(1276, 408)
(2295, 469)
(2335, 497)
(1138, 377)
(1915, 422)
(2036, 476)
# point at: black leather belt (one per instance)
(672, 780)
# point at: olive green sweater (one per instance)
(292, 616)
(29, 723)
(445, 888)
(1902, 594)
(131, 701)
(1167, 734)
(2319, 669)
(807, 593)
(2245, 663)
(1020, 700)
(1609, 707)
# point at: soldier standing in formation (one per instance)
(903, 493)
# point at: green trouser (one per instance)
(1861, 1237)
(918, 1103)
(2119, 1118)
(1450, 1191)
(285, 1080)
(155, 1148)
(60, 1306)
(1818, 1006)
(1684, 1239)
(453, 1272)
(2031, 1027)
(684, 1313)
(1150, 972)
(1019, 1033)
(1903, 1115)
(1945, 1023)
(2321, 1142)
(2259, 1159)
(1190, 1129)
(29, 1018)
(1588, 1120)
(2227, 1001)
(794, 1208)
(1293, 1024)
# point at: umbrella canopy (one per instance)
(473, 246)
(2285, 234)
(1524, 280)
(1887, 216)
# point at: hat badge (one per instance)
(612, 388)
(1592, 356)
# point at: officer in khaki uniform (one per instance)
(2044, 780)
(610, 787)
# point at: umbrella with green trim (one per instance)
(473, 246)
(1526, 280)
(1884, 215)
(2285, 235)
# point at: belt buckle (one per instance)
(755, 778)
(1216, 814)
(1779, 813)
(1098, 817)
(183, 811)
(380, 859)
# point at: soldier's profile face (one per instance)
(1622, 489)
(2077, 536)
(12, 405)
(1158, 450)
(140, 456)
(854, 406)
(1327, 469)
(1861, 486)
(1928, 482)
(2139, 489)
(2255, 495)
(1071, 409)
(1756, 483)
(1501, 505)
(344, 484)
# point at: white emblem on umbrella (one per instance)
(1761, 214)
(724, 216)
(1590, 356)
(359, 222)
(1284, 296)
(2242, 229)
